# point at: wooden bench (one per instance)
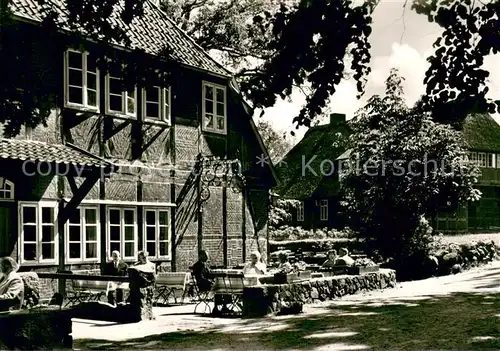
(168, 283)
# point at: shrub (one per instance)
(297, 233)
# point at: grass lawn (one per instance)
(457, 321)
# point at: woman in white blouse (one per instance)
(255, 266)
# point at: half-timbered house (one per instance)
(167, 169)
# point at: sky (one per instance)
(400, 38)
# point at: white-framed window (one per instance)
(122, 231)
(156, 103)
(473, 157)
(118, 100)
(157, 232)
(491, 160)
(6, 190)
(214, 109)
(83, 235)
(81, 80)
(38, 232)
(482, 159)
(300, 211)
(323, 210)
(497, 159)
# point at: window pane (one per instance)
(153, 95)
(91, 250)
(75, 59)
(91, 215)
(220, 95)
(47, 215)
(91, 98)
(115, 86)
(150, 217)
(48, 233)
(220, 110)
(114, 247)
(150, 233)
(29, 215)
(74, 217)
(114, 216)
(75, 95)
(209, 121)
(130, 103)
(75, 78)
(151, 248)
(74, 250)
(163, 233)
(91, 81)
(29, 233)
(164, 249)
(220, 123)
(129, 217)
(29, 252)
(114, 233)
(129, 233)
(74, 233)
(163, 217)
(152, 110)
(209, 92)
(48, 251)
(91, 233)
(209, 107)
(129, 249)
(115, 103)
(91, 63)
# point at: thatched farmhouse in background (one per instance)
(153, 168)
(305, 175)
(318, 193)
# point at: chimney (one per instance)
(337, 119)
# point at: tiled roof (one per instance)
(42, 152)
(149, 32)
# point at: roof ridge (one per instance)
(158, 8)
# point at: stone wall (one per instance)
(284, 298)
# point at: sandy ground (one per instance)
(173, 325)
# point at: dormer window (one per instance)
(156, 104)
(119, 101)
(6, 190)
(81, 82)
(214, 108)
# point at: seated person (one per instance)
(11, 285)
(331, 260)
(255, 266)
(284, 265)
(344, 259)
(143, 272)
(204, 280)
(202, 272)
(115, 268)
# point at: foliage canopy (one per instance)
(403, 168)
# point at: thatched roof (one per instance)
(324, 142)
(482, 132)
